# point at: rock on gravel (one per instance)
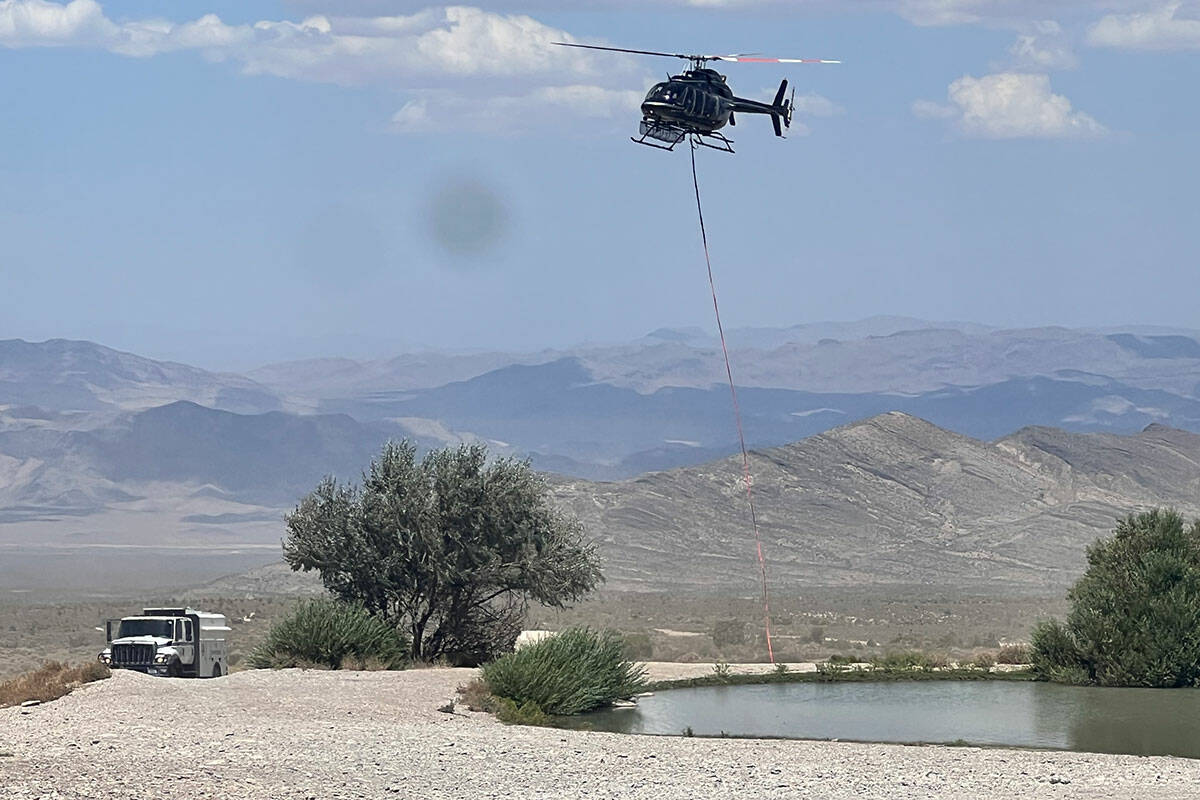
(296, 734)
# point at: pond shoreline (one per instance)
(847, 675)
(292, 735)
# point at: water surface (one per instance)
(1014, 714)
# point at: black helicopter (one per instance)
(699, 102)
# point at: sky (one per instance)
(235, 183)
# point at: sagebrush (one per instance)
(331, 634)
(572, 672)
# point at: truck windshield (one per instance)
(147, 627)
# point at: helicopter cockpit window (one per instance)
(663, 93)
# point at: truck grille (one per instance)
(132, 655)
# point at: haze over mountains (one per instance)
(99, 447)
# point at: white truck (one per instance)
(173, 642)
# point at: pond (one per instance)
(1007, 713)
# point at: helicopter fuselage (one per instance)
(698, 102)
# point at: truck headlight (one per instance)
(104, 658)
(162, 658)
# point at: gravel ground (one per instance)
(292, 734)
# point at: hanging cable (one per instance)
(737, 414)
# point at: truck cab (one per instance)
(170, 642)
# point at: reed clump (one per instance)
(573, 672)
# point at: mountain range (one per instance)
(100, 447)
(615, 411)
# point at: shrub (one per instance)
(1013, 654)
(49, 682)
(575, 671)
(728, 632)
(528, 713)
(901, 660)
(331, 634)
(937, 661)
(637, 646)
(722, 670)
(477, 697)
(1071, 675)
(1135, 613)
(984, 661)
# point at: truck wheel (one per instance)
(173, 670)
(216, 670)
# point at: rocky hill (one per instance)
(63, 375)
(889, 500)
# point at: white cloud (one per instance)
(454, 42)
(484, 59)
(512, 113)
(1011, 105)
(999, 13)
(1043, 46)
(815, 105)
(1171, 27)
(35, 23)
(943, 12)
(920, 12)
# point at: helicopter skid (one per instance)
(719, 141)
(642, 140)
(670, 136)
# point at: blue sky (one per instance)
(238, 183)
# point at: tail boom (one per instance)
(780, 110)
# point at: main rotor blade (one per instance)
(621, 50)
(756, 60)
(744, 58)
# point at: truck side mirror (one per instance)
(108, 628)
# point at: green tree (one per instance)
(452, 547)
(1135, 613)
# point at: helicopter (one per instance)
(699, 102)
